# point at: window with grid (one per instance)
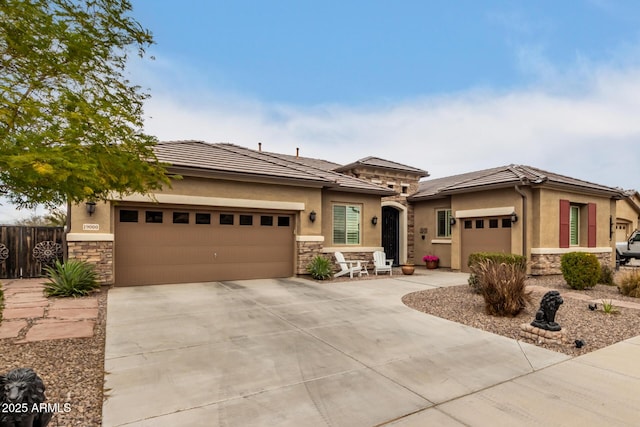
(444, 225)
(346, 224)
(574, 226)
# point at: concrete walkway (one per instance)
(30, 316)
(292, 352)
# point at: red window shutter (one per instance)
(564, 223)
(591, 231)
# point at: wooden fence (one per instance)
(24, 251)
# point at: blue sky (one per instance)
(446, 86)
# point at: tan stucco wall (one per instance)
(310, 198)
(370, 234)
(426, 225)
(548, 215)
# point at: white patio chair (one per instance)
(381, 263)
(347, 267)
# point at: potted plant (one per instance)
(431, 261)
(408, 268)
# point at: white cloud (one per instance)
(590, 134)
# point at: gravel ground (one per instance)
(596, 328)
(72, 371)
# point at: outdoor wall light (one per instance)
(91, 207)
(514, 217)
(312, 216)
(374, 220)
(452, 221)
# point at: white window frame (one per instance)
(446, 233)
(347, 220)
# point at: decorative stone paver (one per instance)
(11, 328)
(22, 313)
(51, 329)
(31, 316)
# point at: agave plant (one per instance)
(71, 279)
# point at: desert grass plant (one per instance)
(608, 307)
(502, 286)
(319, 268)
(629, 283)
(580, 269)
(71, 279)
(497, 257)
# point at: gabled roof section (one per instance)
(376, 162)
(240, 162)
(504, 176)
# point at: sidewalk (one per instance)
(30, 316)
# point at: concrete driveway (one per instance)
(291, 352)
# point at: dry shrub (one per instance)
(629, 283)
(502, 286)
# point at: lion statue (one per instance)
(546, 314)
(21, 393)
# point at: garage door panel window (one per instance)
(479, 223)
(443, 222)
(181, 217)
(246, 219)
(346, 224)
(226, 219)
(284, 221)
(266, 220)
(506, 222)
(128, 215)
(153, 217)
(203, 218)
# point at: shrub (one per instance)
(497, 257)
(630, 283)
(606, 275)
(580, 269)
(502, 286)
(319, 268)
(71, 279)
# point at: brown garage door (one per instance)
(485, 235)
(155, 246)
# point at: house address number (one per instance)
(90, 227)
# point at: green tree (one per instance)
(70, 121)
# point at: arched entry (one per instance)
(391, 233)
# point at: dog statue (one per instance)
(21, 393)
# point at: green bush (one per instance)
(606, 275)
(502, 285)
(497, 257)
(320, 268)
(71, 279)
(630, 283)
(580, 269)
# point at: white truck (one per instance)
(629, 249)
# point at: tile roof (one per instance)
(501, 177)
(236, 160)
(384, 164)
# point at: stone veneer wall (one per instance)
(548, 264)
(100, 254)
(306, 251)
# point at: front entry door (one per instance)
(391, 233)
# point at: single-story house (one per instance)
(238, 213)
(514, 209)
